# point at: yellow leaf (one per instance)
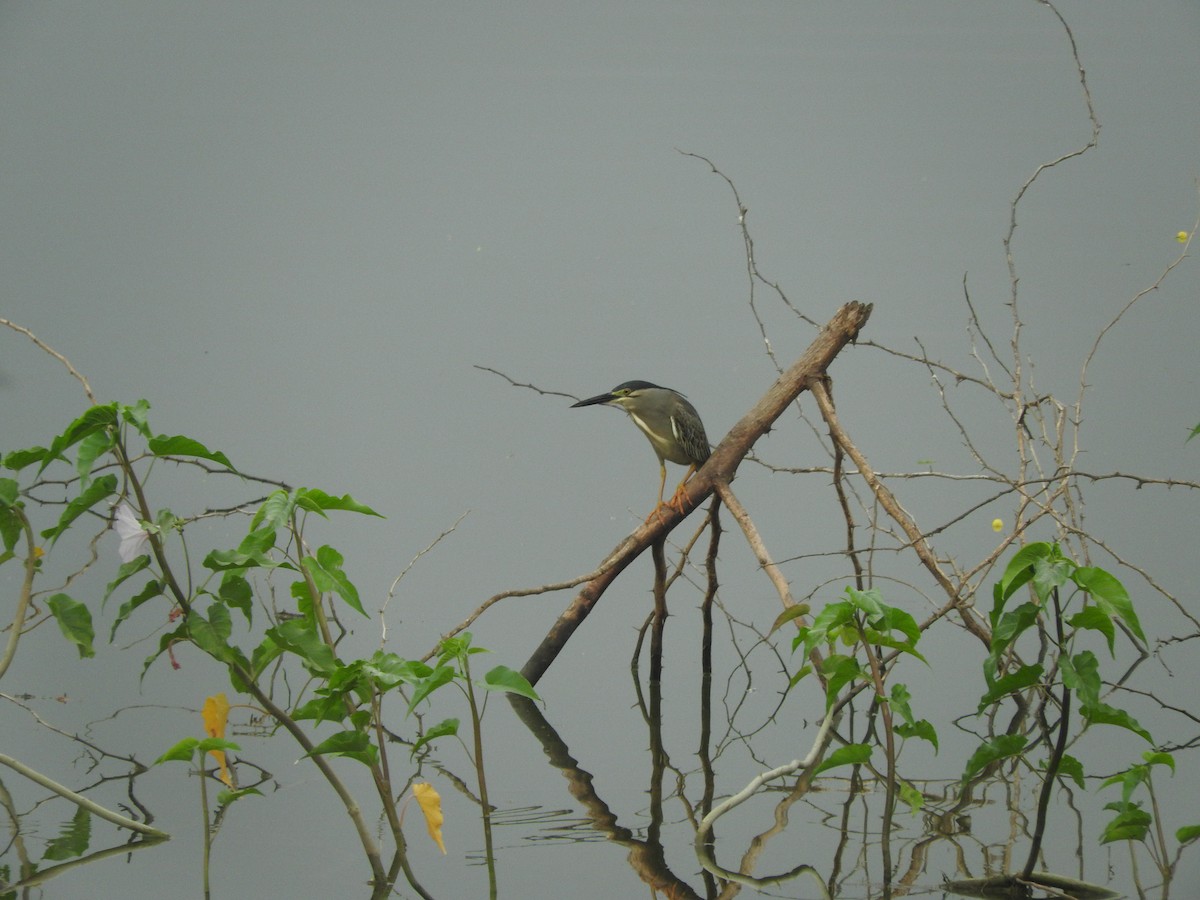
(431, 806)
(216, 714)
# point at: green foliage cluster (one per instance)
(206, 606)
(854, 643)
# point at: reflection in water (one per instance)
(945, 854)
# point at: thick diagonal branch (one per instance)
(722, 464)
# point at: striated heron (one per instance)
(669, 421)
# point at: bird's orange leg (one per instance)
(662, 485)
(676, 502)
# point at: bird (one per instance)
(671, 424)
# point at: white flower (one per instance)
(133, 536)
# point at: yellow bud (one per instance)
(1182, 237)
(997, 524)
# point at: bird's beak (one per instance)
(592, 401)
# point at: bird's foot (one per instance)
(679, 501)
(657, 512)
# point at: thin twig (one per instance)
(87, 388)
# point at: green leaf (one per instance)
(897, 619)
(322, 709)
(1094, 618)
(89, 497)
(73, 839)
(911, 727)
(846, 755)
(236, 560)
(1081, 673)
(19, 459)
(12, 519)
(1130, 780)
(137, 416)
(795, 611)
(455, 647)
(226, 797)
(1187, 833)
(910, 795)
(1007, 628)
(1159, 758)
(884, 639)
(1013, 623)
(446, 728)
(992, 751)
(510, 681)
(830, 619)
(919, 729)
(152, 589)
(386, 670)
(901, 702)
(208, 744)
(181, 752)
(869, 602)
(804, 670)
(75, 622)
(415, 671)
(212, 634)
(264, 654)
(1024, 677)
(300, 637)
(126, 571)
(326, 571)
(235, 592)
(97, 418)
(442, 675)
(1020, 569)
(275, 512)
(1110, 595)
(1103, 714)
(90, 449)
(178, 445)
(1051, 573)
(884, 620)
(1072, 768)
(10, 530)
(840, 670)
(348, 679)
(352, 744)
(9, 492)
(315, 500)
(1131, 824)
(258, 542)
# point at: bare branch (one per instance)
(87, 388)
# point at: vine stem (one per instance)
(1060, 747)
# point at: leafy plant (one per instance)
(864, 623)
(191, 749)
(212, 609)
(1064, 601)
(454, 667)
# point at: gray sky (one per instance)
(296, 228)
